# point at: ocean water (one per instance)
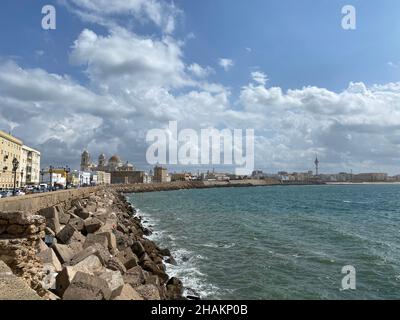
(280, 242)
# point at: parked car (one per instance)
(19, 193)
(6, 194)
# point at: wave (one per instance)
(194, 281)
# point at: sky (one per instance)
(113, 70)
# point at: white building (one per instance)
(54, 179)
(29, 166)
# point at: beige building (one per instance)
(103, 178)
(10, 149)
(160, 175)
(30, 166)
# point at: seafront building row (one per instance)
(18, 163)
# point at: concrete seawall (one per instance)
(36, 202)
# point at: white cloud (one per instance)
(259, 77)
(161, 13)
(199, 71)
(226, 64)
(394, 65)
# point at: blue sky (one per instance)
(322, 79)
(298, 43)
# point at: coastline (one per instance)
(88, 247)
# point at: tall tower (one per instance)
(85, 161)
(316, 162)
(102, 161)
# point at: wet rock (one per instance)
(138, 249)
(171, 260)
(174, 289)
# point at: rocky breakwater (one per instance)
(87, 249)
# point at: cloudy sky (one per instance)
(112, 70)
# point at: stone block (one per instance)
(77, 223)
(69, 234)
(92, 239)
(128, 294)
(92, 225)
(138, 249)
(128, 258)
(87, 287)
(112, 241)
(82, 213)
(98, 250)
(63, 252)
(48, 257)
(114, 280)
(149, 292)
(52, 218)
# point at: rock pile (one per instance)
(95, 249)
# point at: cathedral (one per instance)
(114, 164)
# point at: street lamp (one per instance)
(42, 174)
(67, 171)
(15, 164)
(22, 177)
(51, 177)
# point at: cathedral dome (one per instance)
(115, 159)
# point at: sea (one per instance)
(280, 242)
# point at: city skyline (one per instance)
(106, 76)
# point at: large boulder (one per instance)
(98, 250)
(128, 293)
(92, 225)
(92, 239)
(48, 257)
(63, 252)
(52, 218)
(90, 265)
(77, 223)
(174, 289)
(135, 277)
(87, 287)
(82, 213)
(128, 258)
(114, 280)
(112, 241)
(149, 292)
(69, 234)
(138, 249)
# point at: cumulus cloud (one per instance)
(199, 71)
(161, 13)
(226, 64)
(259, 77)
